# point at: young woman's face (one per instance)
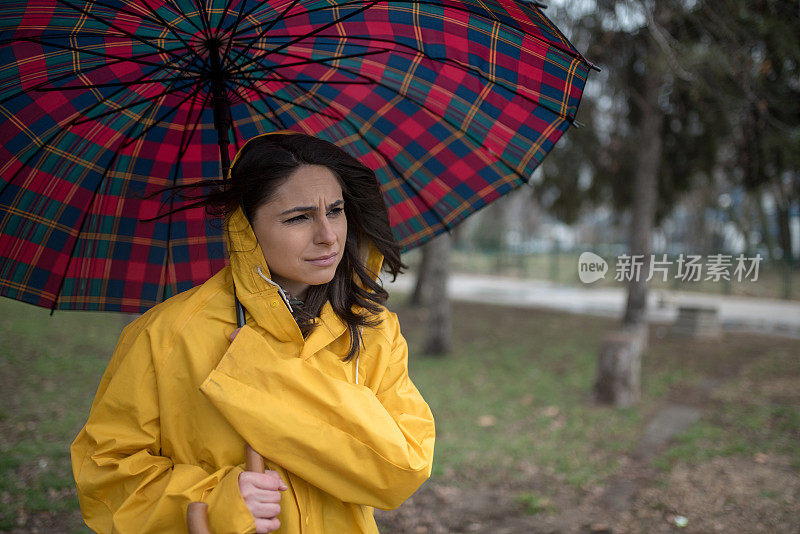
(302, 230)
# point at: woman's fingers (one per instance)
(263, 510)
(267, 525)
(262, 494)
(253, 495)
(267, 496)
(268, 480)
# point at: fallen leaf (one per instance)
(550, 411)
(487, 420)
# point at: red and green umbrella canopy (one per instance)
(452, 103)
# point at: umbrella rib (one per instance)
(343, 117)
(317, 30)
(226, 53)
(284, 16)
(175, 30)
(70, 74)
(140, 81)
(114, 157)
(182, 148)
(311, 81)
(144, 16)
(155, 123)
(85, 33)
(234, 31)
(286, 101)
(269, 26)
(264, 68)
(122, 31)
(301, 63)
(278, 121)
(201, 8)
(133, 59)
(111, 111)
(218, 29)
(205, 16)
(61, 130)
(170, 4)
(282, 125)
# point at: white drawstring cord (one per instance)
(358, 354)
(280, 290)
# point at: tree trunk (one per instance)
(422, 287)
(437, 342)
(782, 207)
(619, 363)
(766, 234)
(619, 367)
(645, 189)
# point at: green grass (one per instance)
(49, 371)
(534, 503)
(531, 374)
(757, 412)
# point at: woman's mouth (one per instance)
(323, 261)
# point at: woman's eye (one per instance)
(336, 211)
(296, 219)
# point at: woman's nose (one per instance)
(324, 232)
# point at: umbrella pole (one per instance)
(223, 124)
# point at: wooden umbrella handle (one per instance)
(197, 512)
(252, 460)
(197, 518)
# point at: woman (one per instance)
(316, 381)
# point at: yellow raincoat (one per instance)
(179, 401)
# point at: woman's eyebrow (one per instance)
(311, 208)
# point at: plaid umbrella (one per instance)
(452, 103)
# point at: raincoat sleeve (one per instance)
(367, 447)
(124, 482)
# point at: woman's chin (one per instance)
(320, 278)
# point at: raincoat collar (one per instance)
(263, 301)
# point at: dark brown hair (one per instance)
(263, 165)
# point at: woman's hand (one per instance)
(262, 494)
